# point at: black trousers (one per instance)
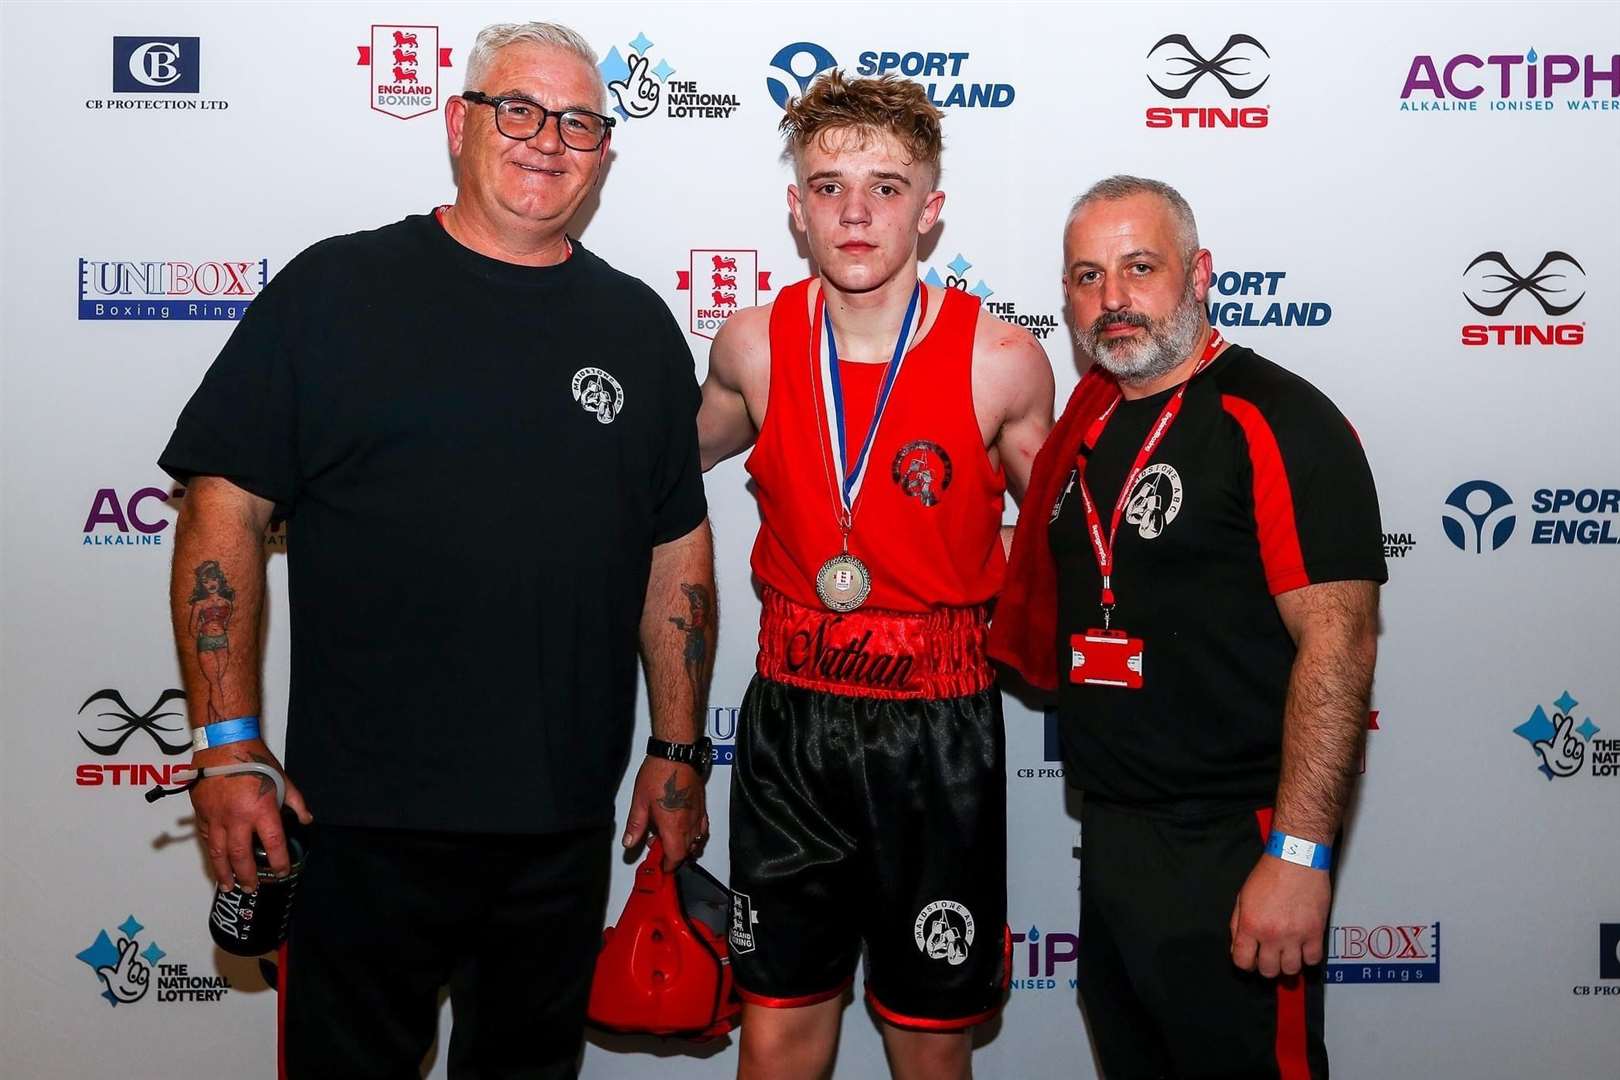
(1161, 994)
(385, 918)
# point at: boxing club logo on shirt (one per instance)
(598, 393)
(923, 471)
(944, 931)
(1155, 502)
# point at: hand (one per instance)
(126, 979)
(1564, 753)
(669, 796)
(637, 94)
(1280, 917)
(231, 809)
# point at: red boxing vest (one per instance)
(928, 522)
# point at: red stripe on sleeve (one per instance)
(1273, 500)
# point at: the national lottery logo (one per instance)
(719, 282)
(1236, 70)
(130, 968)
(1564, 741)
(403, 63)
(164, 290)
(1388, 953)
(1520, 82)
(642, 84)
(944, 931)
(1556, 284)
(1251, 298)
(958, 274)
(1398, 545)
(598, 393)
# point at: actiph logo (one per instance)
(107, 510)
(404, 63)
(1239, 67)
(800, 62)
(720, 282)
(1557, 285)
(1477, 513)
(1038, 956)
(1522, 82)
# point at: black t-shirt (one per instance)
(475, 460)
(1260, 487)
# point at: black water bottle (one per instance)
(254, 923)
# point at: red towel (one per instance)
(1023, 633)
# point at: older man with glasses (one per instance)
(483, 439)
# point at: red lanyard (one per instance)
(1103, 546)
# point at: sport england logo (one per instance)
(1564, 748)
(944, 931)
(637, 87)
(1155, 501)
(1386, 953)
(923, 471)
(800, 62)
(404, 63)
(165, 291)
(1478, 513)
(598, 393)
(1239, 68)
(720, 282)
(1526, 82)
(1267, 311)
(1491, 284)
(937, 72)
(127, 970)
(1039, 324)
(168, 65)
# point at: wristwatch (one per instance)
(699, 755)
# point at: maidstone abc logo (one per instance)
(1238, 70)
(1556, 284)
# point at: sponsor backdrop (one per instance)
(1413, 209)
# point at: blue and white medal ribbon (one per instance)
(843, 582)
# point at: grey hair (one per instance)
(1123, 187)
(497, 36)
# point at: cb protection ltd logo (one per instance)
(1477, 514)
(1239, 69)
(794, 68)
(1557, 285)
(161, 65)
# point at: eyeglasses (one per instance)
(519, 118)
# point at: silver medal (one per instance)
(843, 582)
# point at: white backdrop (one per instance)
(1325, 189)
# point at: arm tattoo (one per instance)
(696, 628)
(212, 603)
(675, 798)
(266, 785)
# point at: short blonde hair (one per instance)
(887, 104)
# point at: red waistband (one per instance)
(883, 654)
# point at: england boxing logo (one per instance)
(1155, 501)
(923, 471)
(598, 393)
(404, 63)
(944, 931)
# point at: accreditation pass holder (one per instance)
(1109, 656)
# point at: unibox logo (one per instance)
(1385, 953)
(153, 290)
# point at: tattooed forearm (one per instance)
(674, 797)
(266, 785)
(212, 602)
(695, 626)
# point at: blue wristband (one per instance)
(1299, 851)
(225, 732)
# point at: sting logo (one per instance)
(1231, 67)
(1490, 284)
(127, 722)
